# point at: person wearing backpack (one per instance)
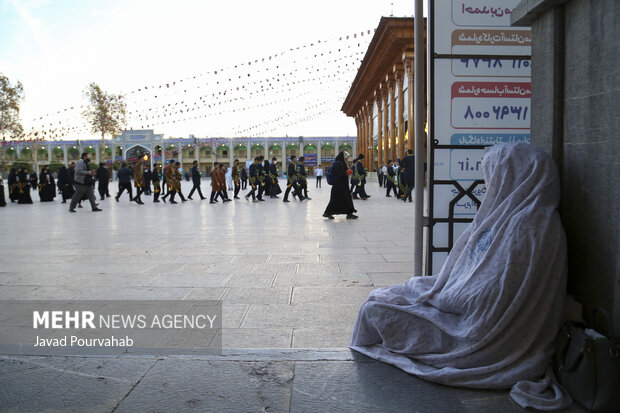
(340, 201)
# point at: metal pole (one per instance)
(418, 219)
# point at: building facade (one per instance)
(207, 151)
(381, 95)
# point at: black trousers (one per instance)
(103, 189)
(360, 190)
(252, 193)
(196, 187)
(318, 181)
(296, 191)
(156, 192)
(237, 189)
(410, 188)
(124, 186)
(244, 183)
(139, 191)
(390, 187)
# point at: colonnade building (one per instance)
(134, 143)
(381, 96)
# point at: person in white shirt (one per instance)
(318, 172)
(384, 170)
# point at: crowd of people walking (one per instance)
(398, 177)
(76, 183)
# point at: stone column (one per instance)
(380, 150)
(318, 154)
(362, 139)
(231, 153)
(371, 143)
(386, 122)
(399, 74)
(65, 156)
(409, 66)
(392, 115)
(248, 147)
(367, 136)
(49, 154)
(97, 151)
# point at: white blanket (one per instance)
(489, 318)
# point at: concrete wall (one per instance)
(576, 117)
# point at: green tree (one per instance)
(10, 124)
(106, 113)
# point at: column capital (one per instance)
(384, 90)
(399, 74)
(389, 82)
(378, 97)
(409, 62)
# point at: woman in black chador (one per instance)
(23, 187)
(12, 183)
(340, 201)
(64, 184)
(47, 186)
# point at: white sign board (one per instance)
(481, 94)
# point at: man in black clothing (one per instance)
(303, 178)
(196, 181)
(273, 177)
(292, 181)
(244, 177)
(124, 181)
(261, 178)
(390, 177)
(360, 174)
(354, 180)
(156, 184)
(102, 175)
(266, 168)
(254, 180)
(409, 165)
(147, 179)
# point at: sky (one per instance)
(207, 68)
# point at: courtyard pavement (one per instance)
(286, 276)
(290, 283)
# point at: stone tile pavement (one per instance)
(290, 283)
(281, 271)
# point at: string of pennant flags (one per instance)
(289, 79)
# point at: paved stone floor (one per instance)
(290, 283)
(286, 276)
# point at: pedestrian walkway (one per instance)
(319, 380)
(290, 283)
(286, 276)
